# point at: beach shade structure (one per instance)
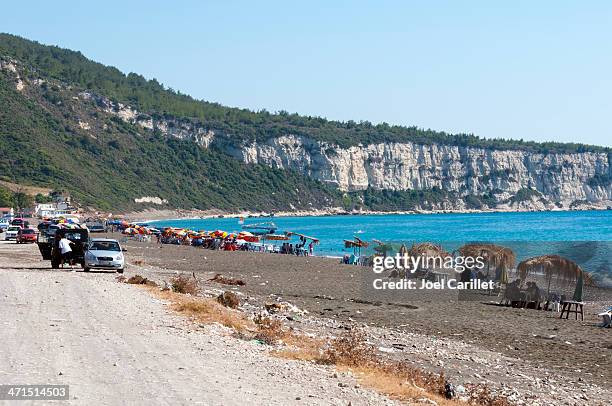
(495, 257)
(381, 247)
(503, 277)
(219, 234)
(304, 236)
(427, 250)
(551, 266)
(357, 244)
(272, 237)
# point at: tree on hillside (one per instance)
(40, 198)
(6, 198)
(22, 200)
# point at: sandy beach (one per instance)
(568, 352)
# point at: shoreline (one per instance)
(151, 215)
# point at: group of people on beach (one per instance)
(233, 244)
(298, 249)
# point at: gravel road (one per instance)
(115, 344)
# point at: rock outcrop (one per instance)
(561, 178)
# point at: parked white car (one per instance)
(4, 224)
(104, 253)
(11, 233)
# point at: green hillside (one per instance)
(41, 144)
(150, 96)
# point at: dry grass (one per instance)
(229, 299)
(481, 395)
(398, 387)
(28, 190)
(351, 350)
(227, 280)
(138, 280)
(302, 348)
(207, 310)
(184, 284)
(270, 331)
(398, 380)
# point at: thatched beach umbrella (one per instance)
(428, 250)
(553, 265)
(495, 256)
(356, 245)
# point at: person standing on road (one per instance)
(66, 251)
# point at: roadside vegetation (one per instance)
(349, 352)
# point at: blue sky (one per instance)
(537, 70)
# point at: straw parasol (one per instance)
(356, 244)
(496, 256)
(428, 250)
(554, 265)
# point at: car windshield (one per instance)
(14, 228)
(104, 246)
(27, 231)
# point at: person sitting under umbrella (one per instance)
(607, 318)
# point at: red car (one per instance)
(26, 235)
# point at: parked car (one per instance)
(4, 224)
(20, 222)
(96, 227)
(104, 253)
(26, 235)
(11, 233)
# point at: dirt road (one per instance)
(115, 344)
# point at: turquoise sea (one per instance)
(583, 236)
(492, 227)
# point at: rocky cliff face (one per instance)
(559, 178)
(512, 179)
